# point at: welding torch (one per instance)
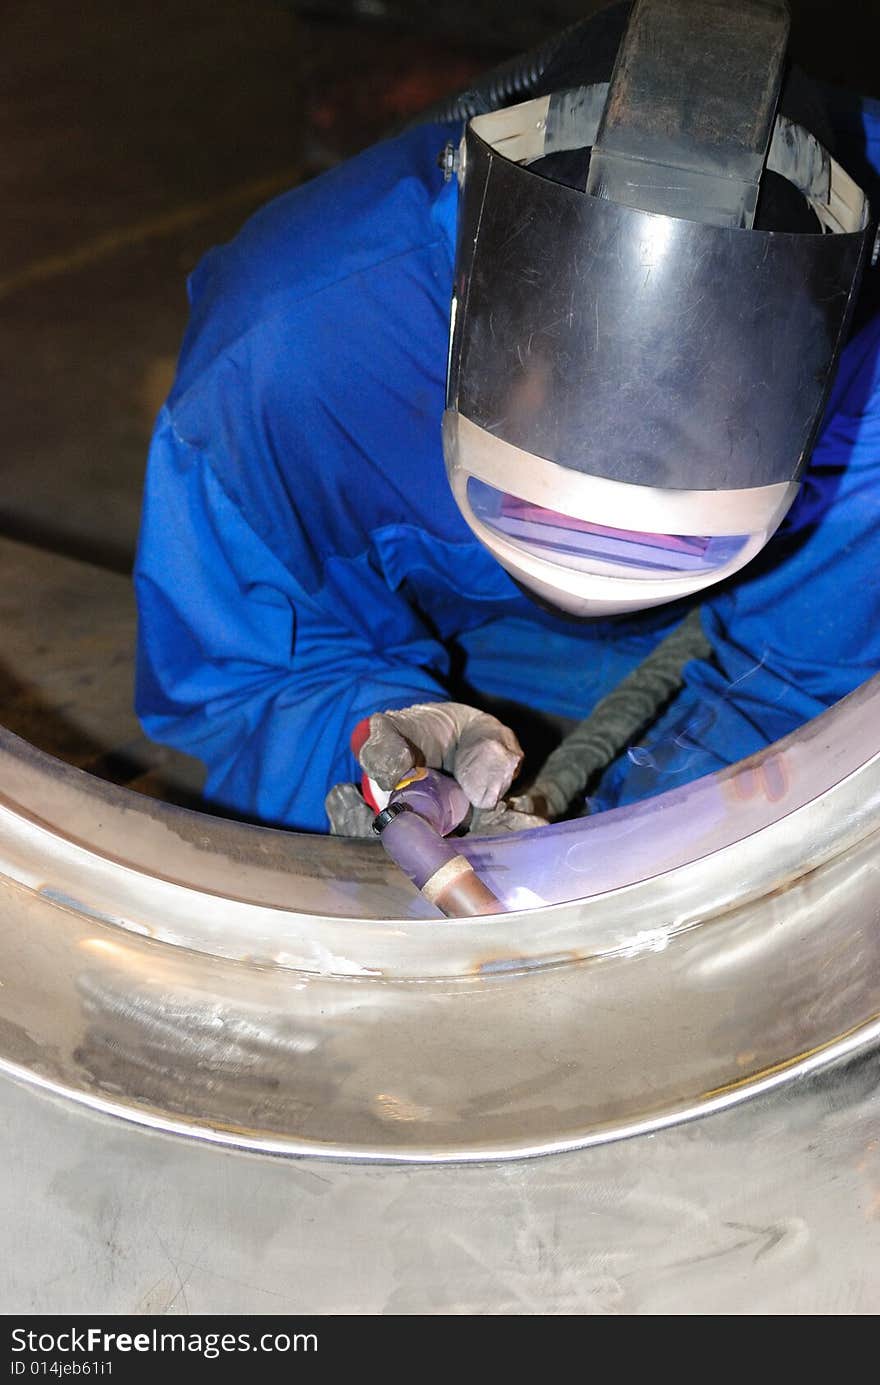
(424, 808)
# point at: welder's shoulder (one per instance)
(386, 204)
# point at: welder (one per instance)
(483, 417)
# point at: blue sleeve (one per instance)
(799, 628)
(241, 666)
(304, 418)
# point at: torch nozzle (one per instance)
(412, 830)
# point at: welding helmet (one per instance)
(636, 372)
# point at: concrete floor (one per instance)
(134, 137)
(66, 672)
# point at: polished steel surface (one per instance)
(293, 994)
(772, 1207)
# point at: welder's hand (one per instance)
(489, 822)
(349, 815)
(474, 747)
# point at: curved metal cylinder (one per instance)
(294, 994)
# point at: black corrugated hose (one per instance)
(614, 722)
(511, 81)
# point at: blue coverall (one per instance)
(302, 562)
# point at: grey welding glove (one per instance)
(351, 816)
(489, 822)
(474, 747)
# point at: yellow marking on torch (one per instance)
(412, 778)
